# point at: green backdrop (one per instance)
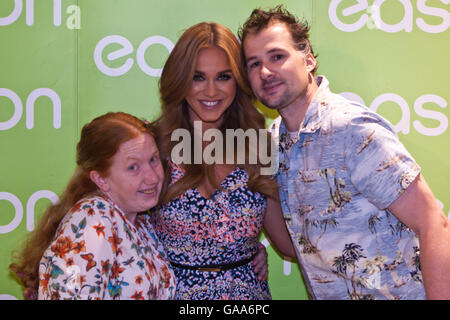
(63, 62)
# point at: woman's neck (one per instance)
(130, 216)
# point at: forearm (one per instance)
(435, 259)
(275, 228)
(418, 209)
(281, 241)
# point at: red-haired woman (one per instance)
(93, 244)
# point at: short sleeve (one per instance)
(379, 165)
(79, 260)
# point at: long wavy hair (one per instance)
(174, 84)
(100, 140)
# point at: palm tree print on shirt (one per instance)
(346, 262)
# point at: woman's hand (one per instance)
(260, 263)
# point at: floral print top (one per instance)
(337, 177)
(97, 253)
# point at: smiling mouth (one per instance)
(210, 104)
(150, 191)
(271, 87)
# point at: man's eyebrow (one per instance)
(274, 50)
(268, 52)
(251, 58)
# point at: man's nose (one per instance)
(265, 73)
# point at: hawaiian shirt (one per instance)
(97, 253)
(337, 176)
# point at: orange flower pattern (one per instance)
(98, 254)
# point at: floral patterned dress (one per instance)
(98, 254)
(196, 231)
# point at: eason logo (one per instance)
(18, 208)
(73, 20)
(287, 264)
(404, 123)
(7, 297)
(29, 114)
(372, 16)
(125, 50)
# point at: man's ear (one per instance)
(310, 62)
(101, 182)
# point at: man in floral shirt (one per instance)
(353, 198)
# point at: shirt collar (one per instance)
(313, 116)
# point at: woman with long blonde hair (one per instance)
(212, 213)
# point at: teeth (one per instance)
(149, 191)
(210, 103)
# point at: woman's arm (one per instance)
(276, 228)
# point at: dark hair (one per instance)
(260, 19)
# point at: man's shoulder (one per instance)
(343, 113)
(340, 108)
(338, 113)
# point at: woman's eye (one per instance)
(224, 77)
(133, 167)
(154, 160)
(198, 77)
